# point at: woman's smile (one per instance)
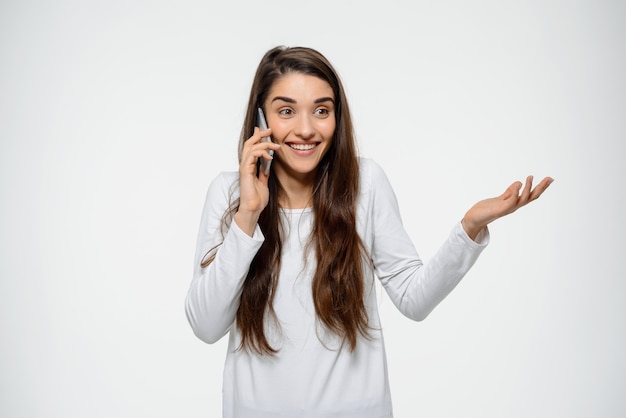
(302, 147)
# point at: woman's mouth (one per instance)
(303, 147)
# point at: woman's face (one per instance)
(300, 109)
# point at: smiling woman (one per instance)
(286, 261)
(301, 113)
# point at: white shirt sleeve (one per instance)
(214, 294)
(414, 287)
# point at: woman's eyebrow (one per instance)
(284, 99)
(290, 100)
(324, 99)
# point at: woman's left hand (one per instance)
(488, 210)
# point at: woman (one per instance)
(286, 261)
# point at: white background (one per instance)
(115, 116)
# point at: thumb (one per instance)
(512, 190)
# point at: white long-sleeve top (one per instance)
(313, 375)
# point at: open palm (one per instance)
(488, 210)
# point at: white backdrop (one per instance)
(115, 116)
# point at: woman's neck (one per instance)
(297, 191)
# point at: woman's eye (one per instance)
(285, 112)
(321, 111)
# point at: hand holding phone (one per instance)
(265, 164)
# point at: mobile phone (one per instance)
(265, 164)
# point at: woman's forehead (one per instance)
(300, 87)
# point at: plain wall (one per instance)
(115, 116)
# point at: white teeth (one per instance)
(302, 147)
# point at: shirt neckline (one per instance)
(291, 211)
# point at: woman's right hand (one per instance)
(254, 193)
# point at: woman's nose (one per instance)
(304, 127)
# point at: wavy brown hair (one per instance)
(338, 286)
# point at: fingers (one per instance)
(540, 188)
(258, 134)
(525, 196)
(256, 138)
(516, 196)
(254, 148)
(511, 191)
(529, 194)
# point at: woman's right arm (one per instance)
(213, 296)
(215, 291)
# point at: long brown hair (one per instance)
(338, 286)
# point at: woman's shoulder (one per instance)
(371, 173)
(227, 177)
(226, 183)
